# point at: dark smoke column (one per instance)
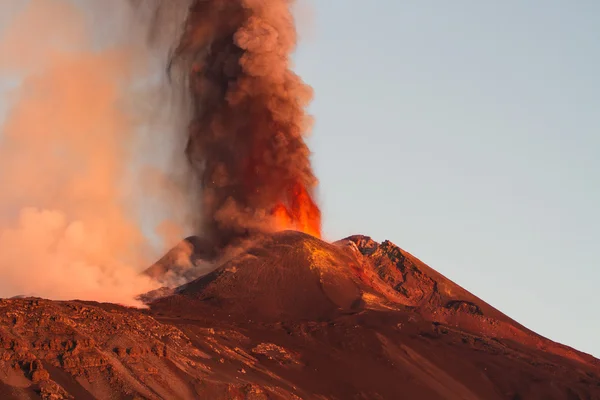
(246, 142)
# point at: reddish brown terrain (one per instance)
(292, 317)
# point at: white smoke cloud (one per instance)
(86, 173)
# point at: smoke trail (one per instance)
(246, 144)
(72, 153)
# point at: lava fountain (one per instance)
(301, 214)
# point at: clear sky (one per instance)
(468, 133)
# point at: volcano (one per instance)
(288, 317)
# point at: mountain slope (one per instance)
(290, 317)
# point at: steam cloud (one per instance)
(75, 150)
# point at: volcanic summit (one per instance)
(290, 317)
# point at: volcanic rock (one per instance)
(188, 260)
(291, 317)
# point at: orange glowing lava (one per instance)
(302, 214)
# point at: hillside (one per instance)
(290, 317)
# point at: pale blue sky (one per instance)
(468, 134)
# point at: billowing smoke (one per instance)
(246, 139)
(83, 149)
(131, 124)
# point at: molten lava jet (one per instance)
(301, 214)
(245, 143)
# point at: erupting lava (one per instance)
(302, 214)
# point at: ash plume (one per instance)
(245, 142)
(105, 164)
